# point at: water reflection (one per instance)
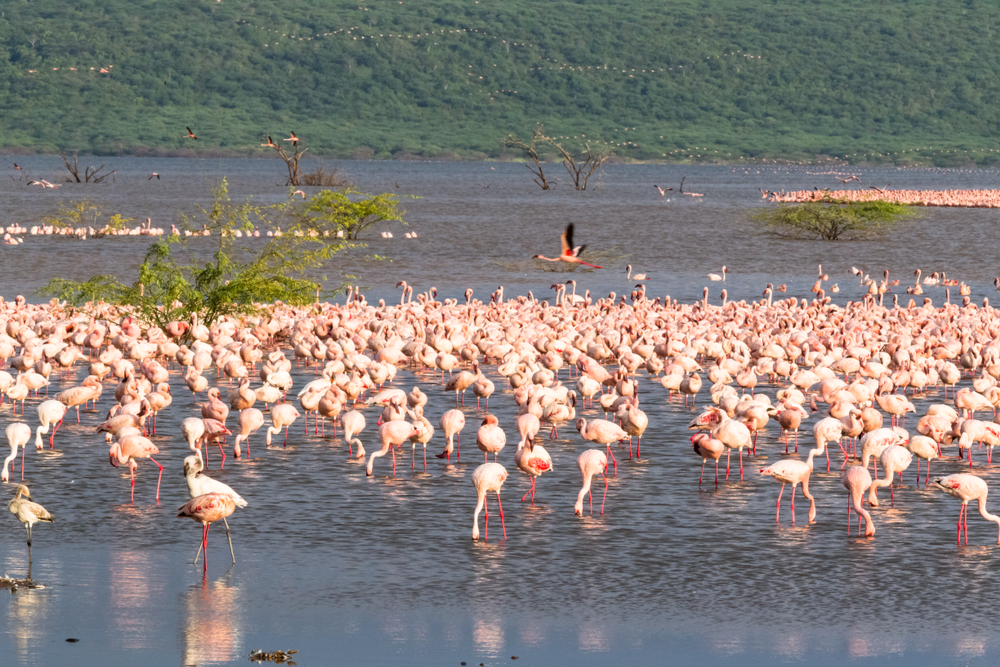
(212, 631)
(593, 637)
(135, 587)
(488, 633)
(27, 615)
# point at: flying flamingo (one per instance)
(707, 448)
(490, 437)
(18, 434)
(133, 447)
(391, 434)
(894, 458)
(190, 134)
(856, 479)
(49, 412)
(249, 421)
(207, 509)
(795, 473)
(270, 144)
(533, 460)
(590, 463)
(570, 254)
(662, 191)
(281, 416)
(488, 477)
(295, 140)
(967, 487)
(28, 513)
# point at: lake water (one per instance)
(373, 571)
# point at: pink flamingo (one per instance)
(207, 509)
(49, 412)
(18, 434)
(133, 447)
(707, 448)
(199, 484)
(602, 432)
(452, 422)
(490, 438)
(215, 408)
(967, 487)
(533, 460)
(795, 473)
(74, 397)
(392, 434)
(569, 253)
(856, 479)
(249, 421)
(281, 416)
(488, 477)
(352, 423)
(894, 458)
(590, 463)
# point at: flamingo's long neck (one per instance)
(583, 491)
(981, 502)
(475, 518)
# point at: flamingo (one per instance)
(967, 487)
(570, 254)
(49, 412)
(74, 397)
(602, 432)
(189, 135)
(18, 434)
(638, 276)
(924, 448)
(130, 448)
(534, 460)
(707, 448)
(490, 438)
(715, 277)
(199, 484)
(207, 509)
(894, 458)
(391, 434)
(250, 419)
(294, 139)
(795, 473)
(856, 479)
(590, 463)
(281, 416)
(28, 513)
(488, 477)
(352, 423)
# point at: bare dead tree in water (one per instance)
(580, 164)
(90, 174)
(291, 161)
(531, 152)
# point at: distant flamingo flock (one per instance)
(965, 198)
(851, 369)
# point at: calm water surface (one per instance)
(354, 570)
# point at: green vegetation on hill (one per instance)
(680, 80)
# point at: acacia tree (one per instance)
(237, 281)
(329, 212)
(580, 163)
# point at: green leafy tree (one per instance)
(237, 281)
(349, 211)
(830, 220)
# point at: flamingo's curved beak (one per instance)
(112, 459)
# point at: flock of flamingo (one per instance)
(965, 198)
(847, 366)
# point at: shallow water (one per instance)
(381, 570)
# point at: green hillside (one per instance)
(678, 80)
